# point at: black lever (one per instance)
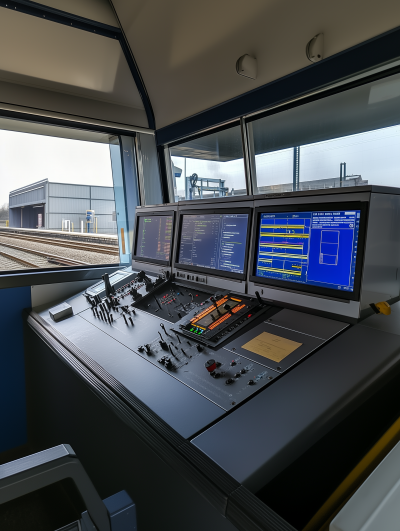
(109, 289)
(259, 299)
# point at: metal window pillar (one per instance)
(248, 156)
(296, 168)
(342, 173)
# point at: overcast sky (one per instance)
(26, 158)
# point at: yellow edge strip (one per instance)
(284, 235)
(279, 270)
(357, 476)
(299, 256)
(283, 245)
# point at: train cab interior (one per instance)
(199, 265)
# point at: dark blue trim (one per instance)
(61, 17)
(13, 431)
(63, 122)
(365, 56)
(139, 82)
(68, 19)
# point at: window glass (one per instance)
(347, 139)
(209, 166)
(58, 207)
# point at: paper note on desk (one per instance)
(271, 346)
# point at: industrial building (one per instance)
(62, 206)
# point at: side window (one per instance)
(346, 139)
(62, 199)
(208, 166)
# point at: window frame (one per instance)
(238, 122)
(19, 278)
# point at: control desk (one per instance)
(241, 328)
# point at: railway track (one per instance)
(29, 258)
(83, 246)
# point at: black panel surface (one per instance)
(183, 409)
(187, 362)
(263, 436)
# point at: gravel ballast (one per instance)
(74, 254)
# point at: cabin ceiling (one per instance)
(186, 51)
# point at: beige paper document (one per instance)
(271, 346)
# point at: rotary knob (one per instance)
(210, 365)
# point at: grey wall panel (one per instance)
(105, 224)
(55, 220)
(103, 207)
(30, 196)
(15, 217)
(69, 190)
(100, 192)
(382, 251)
(72, 206)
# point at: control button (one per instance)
(141, 349)
(251, 382)
(210, 365)
(148, 350)
(215, 375)
(243, 371)
(199, 348)
(237, 375)
(229, 381)
(218, 364)
(233, 363)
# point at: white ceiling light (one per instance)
(247, 66)
(315, 48)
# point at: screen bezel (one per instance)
(310, 207)
(137, 258)
(207, 270)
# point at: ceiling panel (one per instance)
(54, 57)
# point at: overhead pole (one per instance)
(296, 168)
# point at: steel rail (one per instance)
(88, 247)
(59, 259)
(19, 260)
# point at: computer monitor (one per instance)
(153, 237)
(214, 241)
(312, 248)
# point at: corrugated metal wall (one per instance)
(36, 195)
(67, 202)
(70, 201)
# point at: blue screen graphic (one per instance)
(313, 248)
(214, 241)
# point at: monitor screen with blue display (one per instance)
(314, 248)
(214, 241)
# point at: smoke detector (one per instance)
(315, 48)
(247, 66)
